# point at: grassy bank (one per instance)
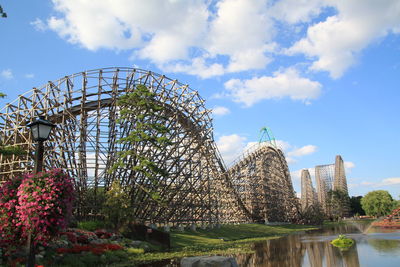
(228, 239)
(343, 222)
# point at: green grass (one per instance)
(91, 225)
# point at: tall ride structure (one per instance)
(308, 194)
(340, 182)
(197, 187)
(331, 178)
(324, 177)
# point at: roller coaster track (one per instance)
(199, 187)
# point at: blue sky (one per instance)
(323, 75)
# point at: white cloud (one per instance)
(348, 165)
(39, 25)
(393, 181)
(234, 146)
(302, 151)
(231, 146)
(390, 181)
(29, 75)
(283, 145)
(242, 30)
(162, 30)
(7, 74)
(212, 38)
(198, 67)
(295, 11)
(296, 175)
(336, 42)
(166, 31)
(287, 83)
(220, 111)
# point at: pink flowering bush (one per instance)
(39, 205)
(45, 204)
(10, 233)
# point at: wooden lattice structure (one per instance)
(83, 106)
(331, 177)
(198, 189)
(324, 175)
(262, 181)
(340, 181)
(308, 194)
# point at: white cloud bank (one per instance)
(212, 38)
(303, 151)
(233, 146)
(336, 41)
(287, 83)
(348, 165)
(384, 182)
(220, 111)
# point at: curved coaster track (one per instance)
(198, 188)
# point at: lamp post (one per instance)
(40, 129)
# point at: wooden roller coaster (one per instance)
(198, 188)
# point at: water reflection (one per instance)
(314, 249)
(385, 245)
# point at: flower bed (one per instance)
(96, 249)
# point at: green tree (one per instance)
(313, 215)
(378, 203)
(355, 205)
(117, 206)
(147, 140)
(339, 204)
(2, 13)
(9, 150)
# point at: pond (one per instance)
(373, 247)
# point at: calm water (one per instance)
(376, 248)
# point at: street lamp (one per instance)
(40, 129)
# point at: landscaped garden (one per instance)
(37, 221)
(81, 247)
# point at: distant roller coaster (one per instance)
(198, 189)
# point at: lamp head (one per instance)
(41, 129)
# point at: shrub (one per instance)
(91, 225)
(313, 215)
(37, 205)
(44, 204)
(117, 206)
(10, 229)
(343, 242)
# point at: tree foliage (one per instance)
(148, 136)
(313, 215)
(378, 203)
(339, 204)
(117, 206)
(9, 150)
(355, 205)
